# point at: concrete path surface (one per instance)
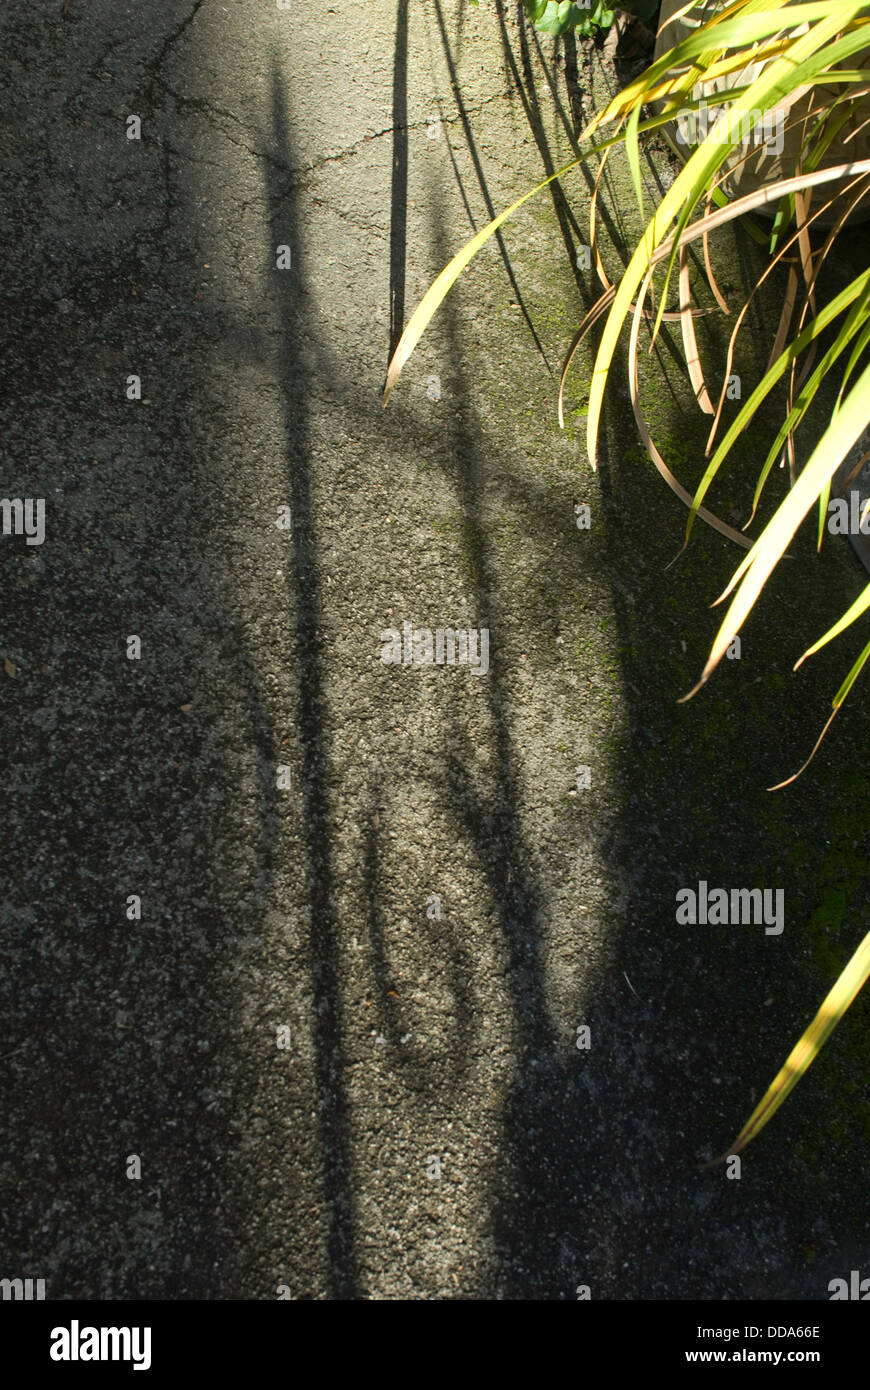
(329, 977)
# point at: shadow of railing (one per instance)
(306, 603)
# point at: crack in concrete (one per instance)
(352, 216)
(211, 111)
(155, 65)
(167, 44)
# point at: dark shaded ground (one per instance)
(411, 1036)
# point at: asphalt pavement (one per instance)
(331, 970)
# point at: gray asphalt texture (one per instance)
(370, 139)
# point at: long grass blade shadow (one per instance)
(481, 177)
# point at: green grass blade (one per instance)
(861, 604)
(432, 299)
(816, 326)
(807, 393)
(857, 352)
(691, 184)
(805, 1051)
(851, 678)
(753, 573)
(743, 31)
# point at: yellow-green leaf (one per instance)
(807, 1049)
(755, 569)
